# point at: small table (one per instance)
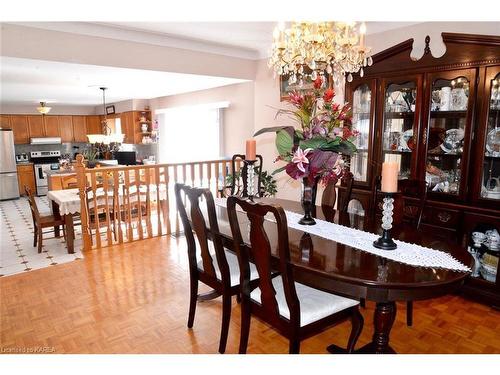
(66, 203)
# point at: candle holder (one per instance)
(250, 178)
(385, 242)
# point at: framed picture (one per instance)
(307, 85)
(110, 110)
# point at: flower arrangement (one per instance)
(314, 150)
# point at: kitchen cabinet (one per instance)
(79, 124)
(51, 126)
(5, 122)
(94, 125)
(20, 128)
(35, 126)
(66, 128)
(26, 176)
(128, 126)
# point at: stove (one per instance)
(44, 161)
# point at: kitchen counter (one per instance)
(60, 172)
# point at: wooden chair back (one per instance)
(418, 190)
(196, 223)
(329, 196)
(259, 250)
(239, 183)
(33, 206)
(69, 182)
(376, 189)
(349, 181)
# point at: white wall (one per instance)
(238, 118)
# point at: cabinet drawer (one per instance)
(442, 217)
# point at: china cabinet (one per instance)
(439, 119)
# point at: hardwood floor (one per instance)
(134, 299)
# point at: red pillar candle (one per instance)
(251, 145)
(389, 177)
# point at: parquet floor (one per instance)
(134, 299)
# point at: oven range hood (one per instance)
(46, 141)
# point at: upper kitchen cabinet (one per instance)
(5, 122)
(128, 128)
(94, 124)
(20, 128)
(66, 128)
(36, 126)
(79, 124)
(51, 125)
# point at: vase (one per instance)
(309, 190)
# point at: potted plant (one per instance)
(90, 156)
(313, 151)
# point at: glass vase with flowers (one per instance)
(313, 151)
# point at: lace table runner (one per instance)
(406, 252)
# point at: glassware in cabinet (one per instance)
(362, 122)
(398, 134)
(447, 132)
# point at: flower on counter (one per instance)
(314, 148)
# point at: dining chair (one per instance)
(41, 222)
(238, 181)
(417, 190)
(209, 262)
(348, 179)
(69, 182)
(135, 204)
(295, 310)
(100, 213)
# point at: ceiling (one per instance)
(26, 81)
(254, 36)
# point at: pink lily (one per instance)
(299, 158)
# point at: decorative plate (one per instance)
(452, 140)
(493, 140)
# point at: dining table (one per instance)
(349, 271)
(66, 203)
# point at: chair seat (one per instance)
(314, 304)
(50, 220)
(234, 268)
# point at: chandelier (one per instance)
(106, 142)
(311, 49)
(43, 109)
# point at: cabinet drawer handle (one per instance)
(444, 217)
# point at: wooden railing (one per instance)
(123, 204)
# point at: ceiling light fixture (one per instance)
(311, 49)
(43, 109)
(106, 142)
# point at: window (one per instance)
(191, 133)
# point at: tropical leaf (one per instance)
(284, 142)
(346, 148)
(272, 129)
(278, 170)
(314, 143)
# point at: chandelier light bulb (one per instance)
(310, 49)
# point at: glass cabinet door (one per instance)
(361, 121)
(398, 139)
(447, 131)
(490, 176)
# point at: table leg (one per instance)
(70, 233)
(57, 215)
(383, 319)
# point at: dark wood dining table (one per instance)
(348, 271)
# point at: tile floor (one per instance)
(17, 253)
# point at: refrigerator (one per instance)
(9, 188)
